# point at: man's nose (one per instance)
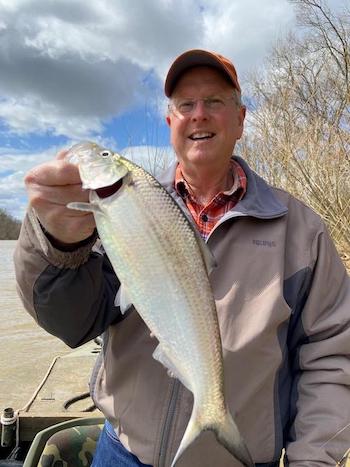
(200, 110)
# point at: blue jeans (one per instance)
(111, 453)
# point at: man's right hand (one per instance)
(51, 186)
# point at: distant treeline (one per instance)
(9, 226)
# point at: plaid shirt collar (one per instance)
(239, 183)
(207, 216)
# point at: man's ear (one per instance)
(167, 118)
(242, 114)
(241, 117)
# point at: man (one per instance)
(282, 296)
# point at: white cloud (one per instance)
(245, 30)
(67, 66)
(13, 167)
(34, 115)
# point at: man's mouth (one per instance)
(202, 135)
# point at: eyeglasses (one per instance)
(185, 107)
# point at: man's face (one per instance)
(205, 136)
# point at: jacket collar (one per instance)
(259, 201)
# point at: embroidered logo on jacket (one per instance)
(268, 243)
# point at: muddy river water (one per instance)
(26, 350)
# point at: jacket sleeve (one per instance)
(70, 294)
(319, 347)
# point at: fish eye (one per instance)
(105, 153)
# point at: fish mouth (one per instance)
(106, 191)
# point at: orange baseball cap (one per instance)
(198, 57)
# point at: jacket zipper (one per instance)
(168, 423)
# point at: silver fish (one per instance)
(163, 267)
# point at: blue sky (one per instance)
(73, 70)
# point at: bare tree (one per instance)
(155, 155)
(9, 226)
(299, 123)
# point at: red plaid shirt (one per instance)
(206, 217)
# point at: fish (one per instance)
(163, 266)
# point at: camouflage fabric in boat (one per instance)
(72, 447)
(75, 447)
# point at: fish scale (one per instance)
(161, 264)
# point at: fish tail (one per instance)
(226, 432)
(228, 435)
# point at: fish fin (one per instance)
(122, 299)
(227, 434)
(173, 370)
(208, 257)
(193, 430)
(84, 207)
